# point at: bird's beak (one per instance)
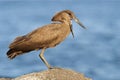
(77, 21)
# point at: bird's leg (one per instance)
(41, 55)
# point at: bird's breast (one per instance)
(61, 32)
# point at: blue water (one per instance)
(94, 52)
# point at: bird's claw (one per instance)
(55, 68)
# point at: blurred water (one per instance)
(94, 52)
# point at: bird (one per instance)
(44, 37)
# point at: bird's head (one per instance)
(66, 16)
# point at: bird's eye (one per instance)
(63, 18)
(69, 14)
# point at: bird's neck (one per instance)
(68, 22)
(64, 22)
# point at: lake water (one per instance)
(94, 52)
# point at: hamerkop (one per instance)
(44, 37)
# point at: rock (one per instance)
(5, 78)
(52, 74)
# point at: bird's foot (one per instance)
(50, 67)
(55, 68)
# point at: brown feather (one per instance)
(12, 53)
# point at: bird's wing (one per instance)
(18, 40)
(44, 35)
(37, 38)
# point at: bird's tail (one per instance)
(13, 53)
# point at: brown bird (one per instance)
(44, 37)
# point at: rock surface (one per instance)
(5, 78)
(52, 74)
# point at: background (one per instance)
(94, 52)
